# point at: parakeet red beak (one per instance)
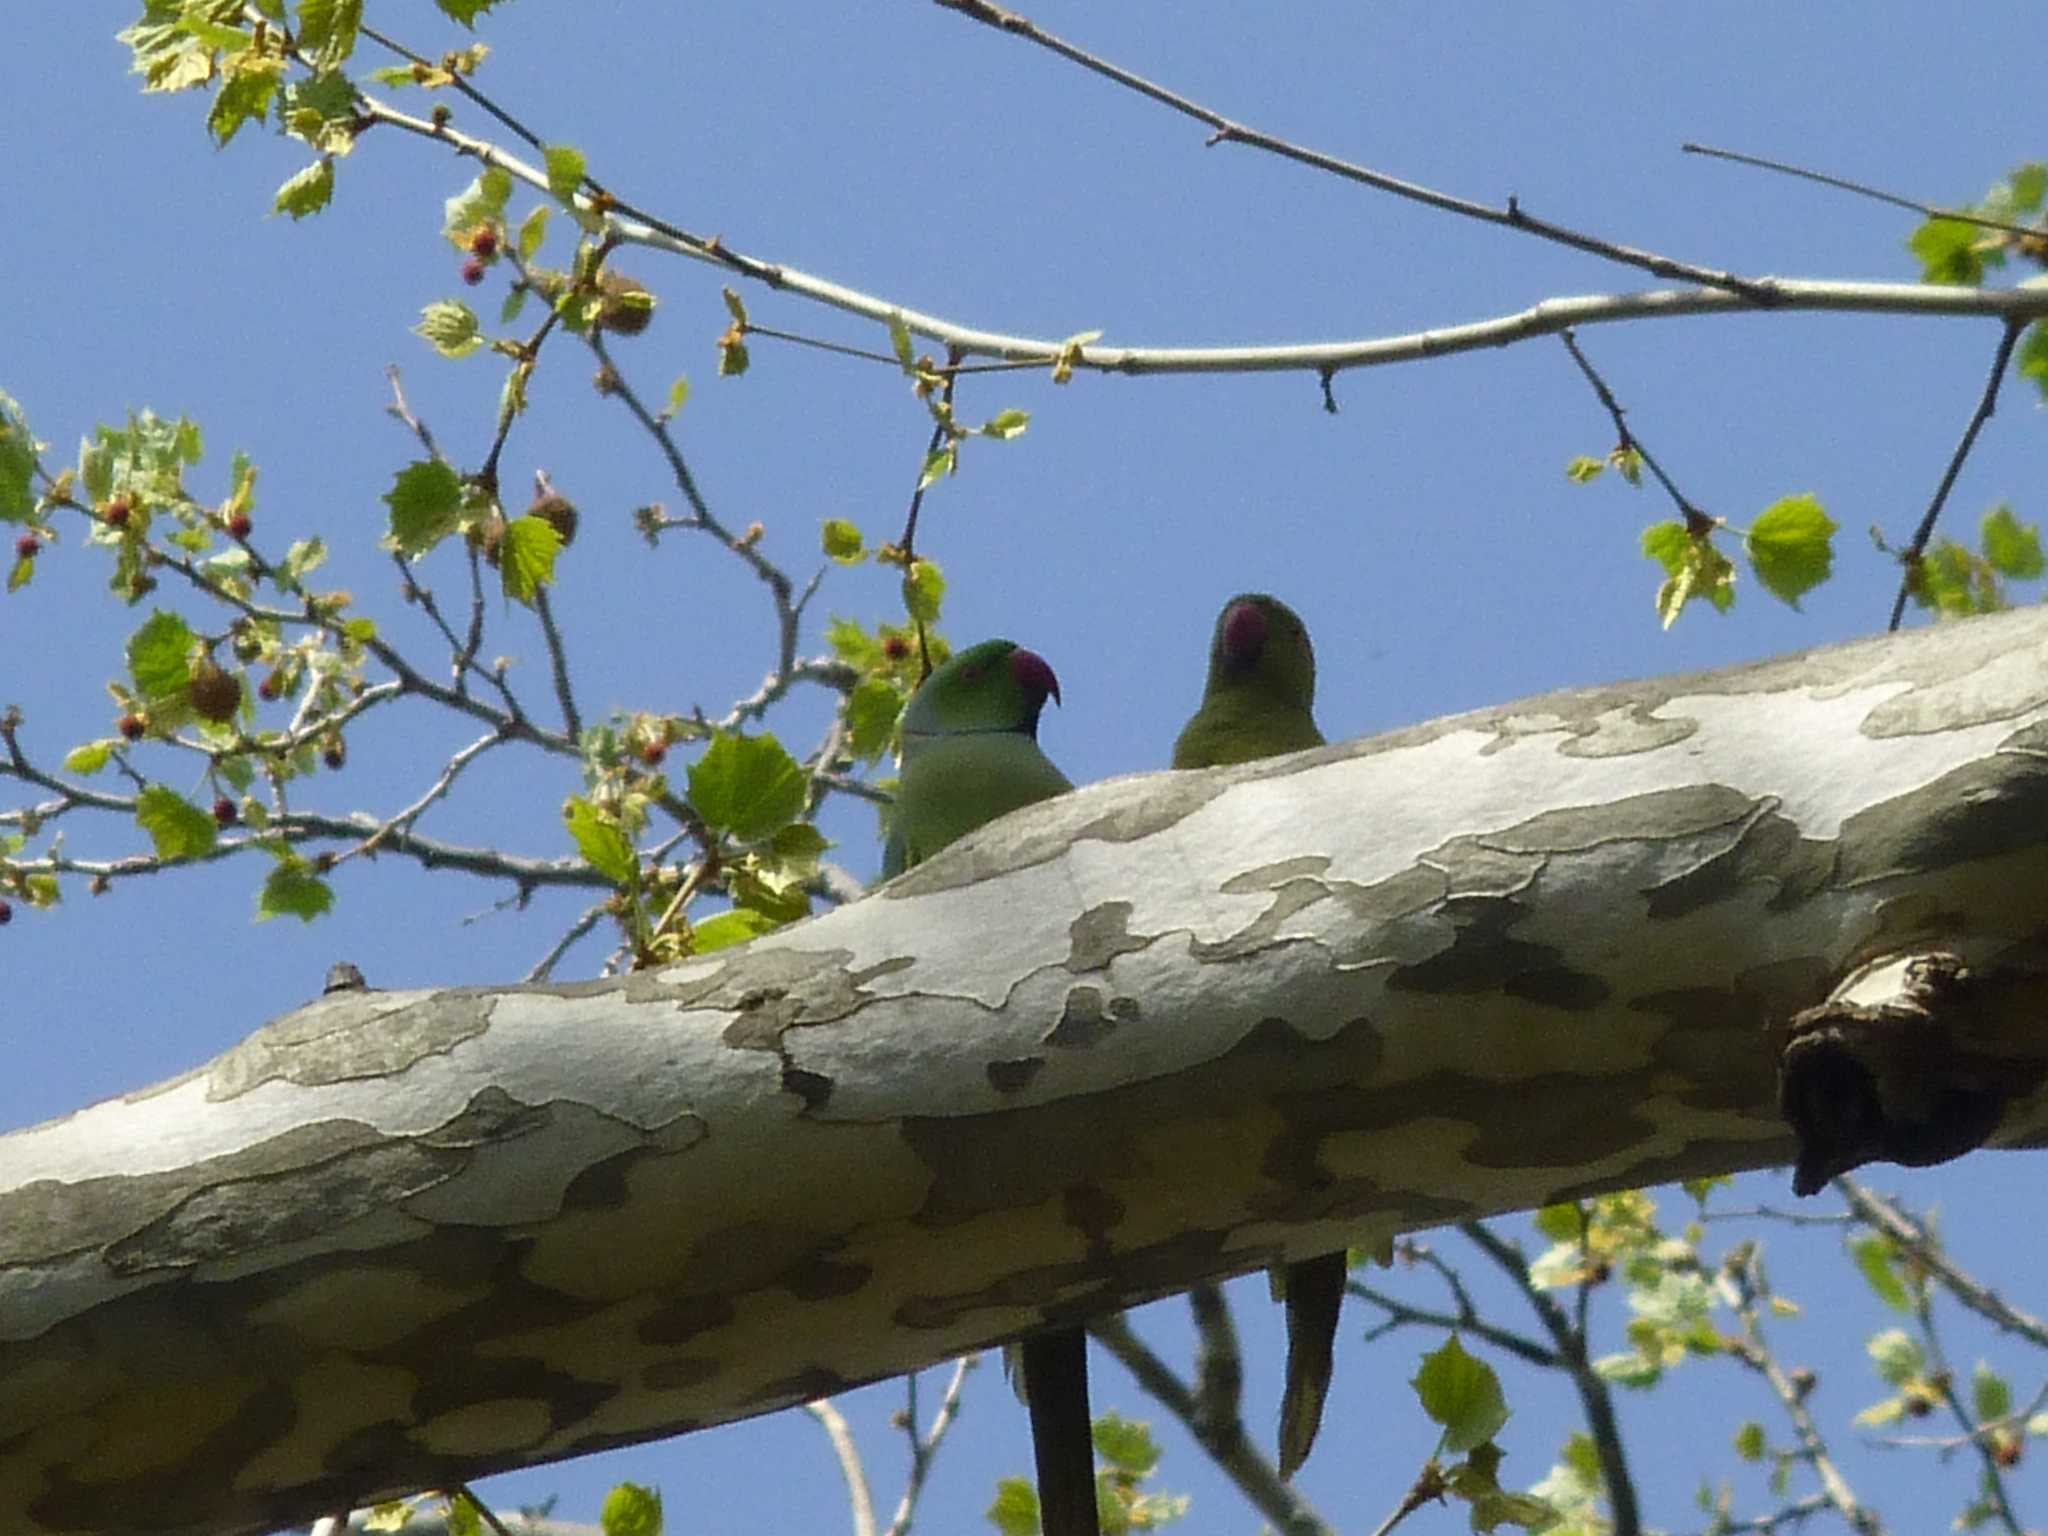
(1034, 675)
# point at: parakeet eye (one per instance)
(1033, 674)
(1244, 631)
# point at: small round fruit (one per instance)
(895, 647)
(118, 512)
(131, 725)
(472, 271)
(27, 546)
(335, 754)
(653, 753)
(224, 813)
(559, 511)
(239, 526)
(6, 912)
(271, 686)
(483, 242)
(625, 306)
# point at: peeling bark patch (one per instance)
(1014, 1076)
(348, 1037)
(814, 1088)
(251, 1214)
(1659, 816)
(685, 1318)
(1271, 876)
(1293, 897)
(1973, 812)
(46, 1220)
(676, 1375)
(1559, 987)
(803, 1386)
(492, 1115)
(1099, 935)
(1767, 851)
(1089, 1019)
(1481, 957)
(772, 988)
(820, 1279)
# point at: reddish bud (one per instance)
(6, 912)
(117, 512)
(224, 811)
(653, 752)
(483, 242)
(472, 271)
(131, 725)
(239, 526)
(27, 547)
(99, 885)
(895, 647)
(271, 686)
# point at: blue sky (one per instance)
(1427, 533)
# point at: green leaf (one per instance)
(843, 541)
(307, 192)
(1749, 1441)
(450, 327)
(1953, 582)
(481, 202)
(526, 556)
(1897, 1358)
(1873, 1260)
(246, 94)
(1015, 1510)
(1584, 468)
(899, 342)
(2012, 547)
(1990, 1394)
(735, 306)
(305, 555)
(18, 464)
(327, 28)
(2025, 187)
(533, 230)
(1947, 252)
(1791, 547)
(565, 171)
(291, 889)
(730, 928)
(320, 111)
(631, 1510)
(1005, 425)
(160, 658)
(872, 710)
(938, 463)
(426, 505)
(733, 357)
(177, 828)
(601, 841)
(924, 588)
(678, 392)
(1461, 1392)
(1126, 1444)
(21, 573)
(464, 11)
(747, 786)
(1669, 545)
(90, 758)
(2033, 356)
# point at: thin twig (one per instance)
(1987, 404)
(586, 920)
(1925, 210)
(1915, 1239)
(1942, 1377)
(1594, 1397)
(1226, 1444)
(924, 1448)
(1626, 439)
(558, 665)
(1225, 131)
(850, 1468)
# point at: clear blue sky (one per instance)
(1427, 532)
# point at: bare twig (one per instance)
(923, 1448)
(585, 921)
(1225, 131)
(1594, 1398)
(1227, 1445)
(1992, 1482)
(1219, 1363)
(1987, 404)
(848, 1454)
(1627, 440)
(1925, 210)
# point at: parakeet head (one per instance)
(994, 686)
(1261, 637)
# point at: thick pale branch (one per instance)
(1158, 1031)
(1323, 357)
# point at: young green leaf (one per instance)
(1947, 251)
(160, 658)
(600, 840)
(2033, 356)
(533, 230)
(1461, 1392)
(1015, 1510)
(924, 588)
(464, 11)
(2012, 548)
(307, 192)
(678, 393)
(243, 97)
(450, 327)
(291, 889)
(735, 306)
(872, 710)
(747, 786)
(177, 828)
(426, 505)
(631, 1510)
(565, 171)
(18, 464)
(481, 202)
(1791, 547)
(1005, 425)
(1990, 1394)
(899, 342)
(526, 557)
(843, 541)
(1873, 1259)
(1584, 469)
(89, 759)
(937, 464)
(1126, 1444)
(728, 928)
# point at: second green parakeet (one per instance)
(970, 754)
(1260, 702)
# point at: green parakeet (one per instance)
(970, 754)
(1260, 702)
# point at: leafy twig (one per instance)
(1626, 440)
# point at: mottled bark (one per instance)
(1161, 1030)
